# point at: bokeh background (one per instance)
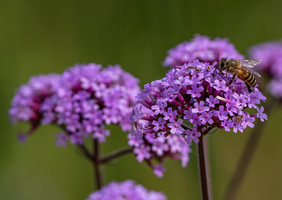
(38, 37)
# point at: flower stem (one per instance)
(203, 169)
(246, 157)
(97, 164)
(85, 152)
(97, 160)
(116, 154)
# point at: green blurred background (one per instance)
(39, 37)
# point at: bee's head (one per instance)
(222, 64)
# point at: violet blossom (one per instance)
(82, 102)
(90, 98)
(27, 103)
(217, 105)
(203, 49)
(126, 190)
(271, 55)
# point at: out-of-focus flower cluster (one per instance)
(191, 100)
(203, 49)
(81, 101)
(27, 103)
(126, 190)
(271, 56)
(275, 88)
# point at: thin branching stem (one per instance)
(116, 154)
(85, 152)
(97, 160)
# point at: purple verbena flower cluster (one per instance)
(275, 88)
(190, 101)
(82, 101)
(126, 190)
(271, 55)
(26, 104)
(203, 49)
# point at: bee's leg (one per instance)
(250, 89)
(234, 76)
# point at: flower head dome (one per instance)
(275, 88)
(201, 48)
(126, 190)
(190, 101)
(271, 55)
(90, 98)
(27, 103)
(82, 101)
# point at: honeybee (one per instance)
(241, 68)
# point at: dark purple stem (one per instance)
(246, 157)
(85, 152)
(97, 164)
(116, 154)
(203, 169)
(97, 160)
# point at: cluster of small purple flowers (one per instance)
(275, 88)
(203, 49)
(81, 101)
(190, 101)
(26, 104)
(126, 190)
(271, 56)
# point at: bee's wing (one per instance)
(253, 72)
(250, 62)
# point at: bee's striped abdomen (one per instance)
(250, 79)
